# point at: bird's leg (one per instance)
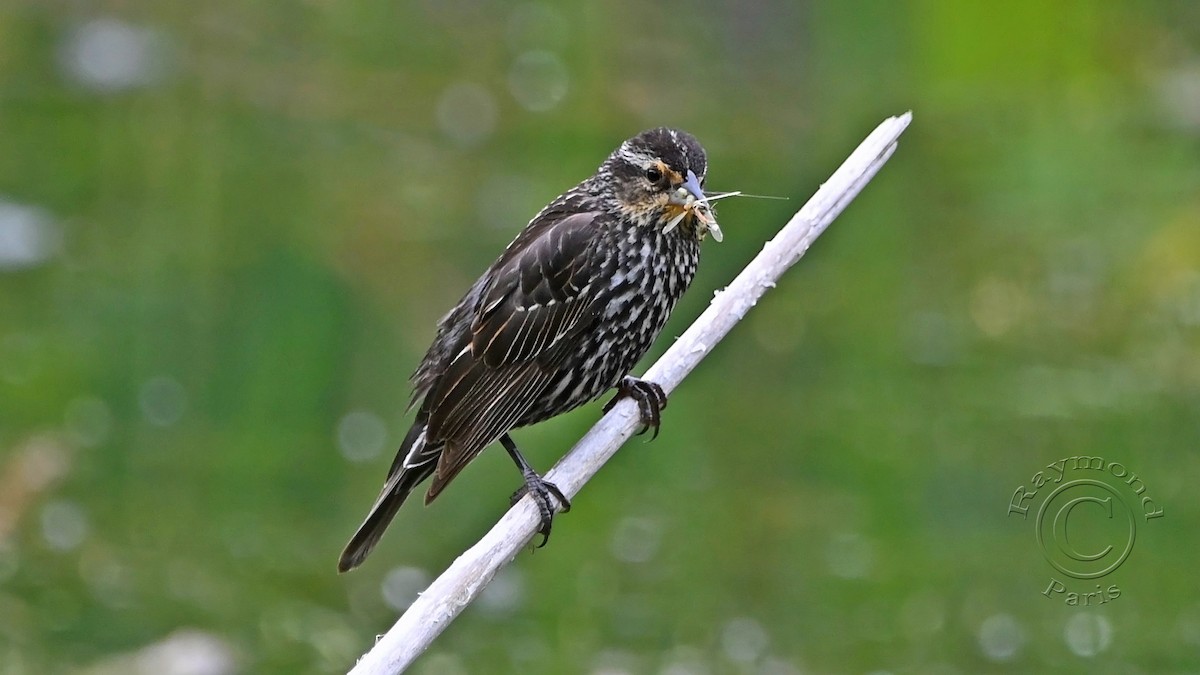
(650, 397)
(540, 489)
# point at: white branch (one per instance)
(466, 577)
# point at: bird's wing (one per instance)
(538, 295)
(542, 294)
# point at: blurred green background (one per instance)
(227, 230)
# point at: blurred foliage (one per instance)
(227, 230)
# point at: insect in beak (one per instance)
(691, 197)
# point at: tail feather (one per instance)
(401, 481)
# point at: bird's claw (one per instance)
(542, 490)
(651, 401)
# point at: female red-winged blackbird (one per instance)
(561, 317)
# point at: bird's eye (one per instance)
(653, 174)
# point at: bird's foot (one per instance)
(542, 490)
(650, 397)
(537, 487)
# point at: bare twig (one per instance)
(466, 577)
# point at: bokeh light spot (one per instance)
(163, 401)
(109, 55)
(1001, 637)
(538, 80)
(188, 652)
(850, 556)
(64, 525)
(402, 585)
(685, 660)
(743, 640)
(1179, 95)
(28, 236)
(922, 615)
(997, 306)
(467, 113)
(1088, 634)
(504, 594)
(361, 435)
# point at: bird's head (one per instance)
(657, 178)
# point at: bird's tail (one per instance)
(414, 462)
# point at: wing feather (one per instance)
(492, 418)
(536, 296)
(540, 297)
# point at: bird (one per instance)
(560, 318)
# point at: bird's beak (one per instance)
(689, 191)
(693, 185)
(690, 199)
